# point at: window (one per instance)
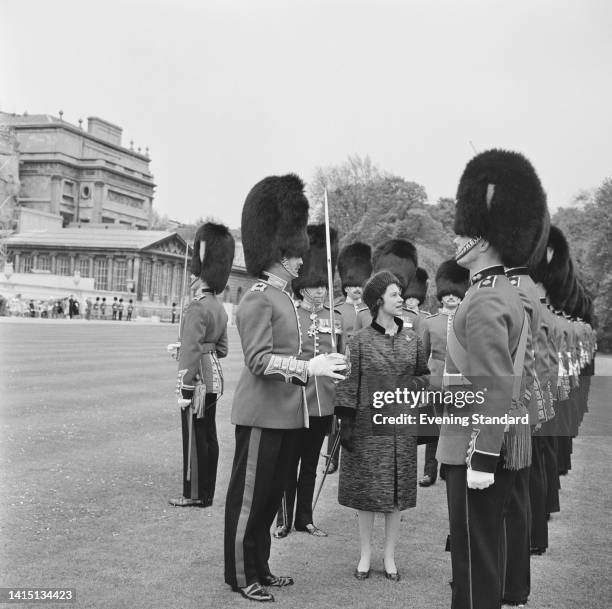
(44, 262)
(120, 271)
(25, 263)
(62, 265)
(84, 267)
(100, 274)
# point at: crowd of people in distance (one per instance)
(71, 308)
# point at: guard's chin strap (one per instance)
(470, 245)
(285, 262)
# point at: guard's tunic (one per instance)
(320, 393)
(436, 328)
(483, 340)
(363, 318)
(203, 342)
(268, 409)
(415, 319)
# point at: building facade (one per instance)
(146, 266)
(83, 176)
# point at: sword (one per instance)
(330, 277)
(330, 459)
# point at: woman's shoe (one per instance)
(394, 577)
(361, 575)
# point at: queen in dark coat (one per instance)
(378, 468)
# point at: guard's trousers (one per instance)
(517, 521)
(256, 486)
(538, 486)
(306, 457)
(431, 464)
(476, 527)
(200, 452)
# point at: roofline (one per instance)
(132, 248)
(58, 123)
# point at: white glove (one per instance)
(327, 364)
(479, 480)
(183, 402)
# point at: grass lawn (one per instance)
(91, 453)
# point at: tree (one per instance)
(588, 227)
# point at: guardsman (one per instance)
(320, 393)
(496, 228)
(130, 310)
(120, 308)
(557, 281)
(96, 308)
(103, 308)
(451, 284)
(200, 378)
(545, 372)
(354, 267)
(114, 309)
(518, 443)
(268, 408)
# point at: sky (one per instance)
(225, 93)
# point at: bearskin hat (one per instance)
(355, 264)
(274, 219)
(398, 257)
(313, 273)
(558, 276)
(417, 288)
(538, 262)
(213, 255)
(451, 279)
(573, 297)
(500, 198)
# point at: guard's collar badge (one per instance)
(275, 281)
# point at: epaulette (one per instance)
(199, 297)
(364, 308)
(336, 310)
(431, 315)
(260, 286)
(515, 280)
(488, 282)
(424, 314)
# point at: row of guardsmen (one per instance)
(514, 320)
